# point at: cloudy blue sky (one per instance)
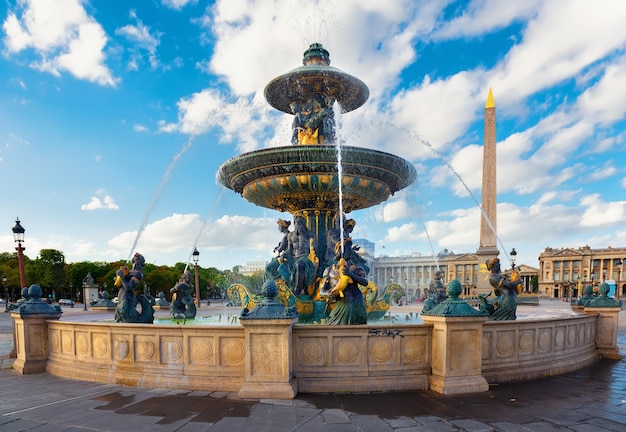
(115, 116)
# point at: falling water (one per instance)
(204, 222)
(338, 138)
(428, 145)
(431, 247)
(157, 193)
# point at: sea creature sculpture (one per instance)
(127, 280)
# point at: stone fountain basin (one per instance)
(305, 177)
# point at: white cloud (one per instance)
(483, 16)
(179, 232)
(403, 233)
(143, 40)
(599, 213)
(63, 36)
(177, 4)
(395, 210)
(101, 202)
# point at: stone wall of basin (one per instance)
(362, 358)
(528, 349)
(181, 357)
(318, 358)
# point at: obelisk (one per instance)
(488, 248)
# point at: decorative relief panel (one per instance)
(171, 349)
(67, 342)
(231, 351)
(381, 350)
(346, 350)
(83, 348)
(312, 351)
(545, 338)
(505, 343)
(54, 340)
(414, 350)
(101, 344)
(201, 351)
(559, 338)
(527, 342)
(121, 347)
(571, 336)
(145, 348)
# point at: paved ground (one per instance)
(592, 399)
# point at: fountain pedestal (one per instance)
(31, 332)
(269, 359)
(606, 330)
(457, 354)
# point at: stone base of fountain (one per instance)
(279, 359)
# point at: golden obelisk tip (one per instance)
(490, 102)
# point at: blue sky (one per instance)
(115, 116)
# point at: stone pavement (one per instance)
(592, 399)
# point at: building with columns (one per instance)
(414, 272)
(560, 271)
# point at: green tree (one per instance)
(534, 283)
(160, 278)
(49, 268)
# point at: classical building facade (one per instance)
(414, 272)
(562, 272)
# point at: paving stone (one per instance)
(470, 425)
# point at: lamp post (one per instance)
(196, 257)
(604, 272)
(618, 264)
(6, 293)
(18, 235)
(84, 295)
(513, 254)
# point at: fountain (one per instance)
(453, 349)
(306, 180)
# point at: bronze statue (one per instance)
(436, 292)
(271, 269)
(299, 262)
(506, 290)
(127, 281)
(342, 284)
(183, 306)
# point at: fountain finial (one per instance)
(316, 55)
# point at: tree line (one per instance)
(59, 279)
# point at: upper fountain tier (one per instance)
(305, 176)
(316, 80)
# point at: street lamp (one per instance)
(84, 295)
(618, 264)
(513, 254)
(196, 257)
(604, 272)
(6, 293)
(18, 235)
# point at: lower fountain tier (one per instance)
(305, 177)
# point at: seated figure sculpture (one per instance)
(127, 280)
(298, 264)
(342, 284)
(436, 292)
(505, 289)
(183, 306)
(313, 122)
(271, 269)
